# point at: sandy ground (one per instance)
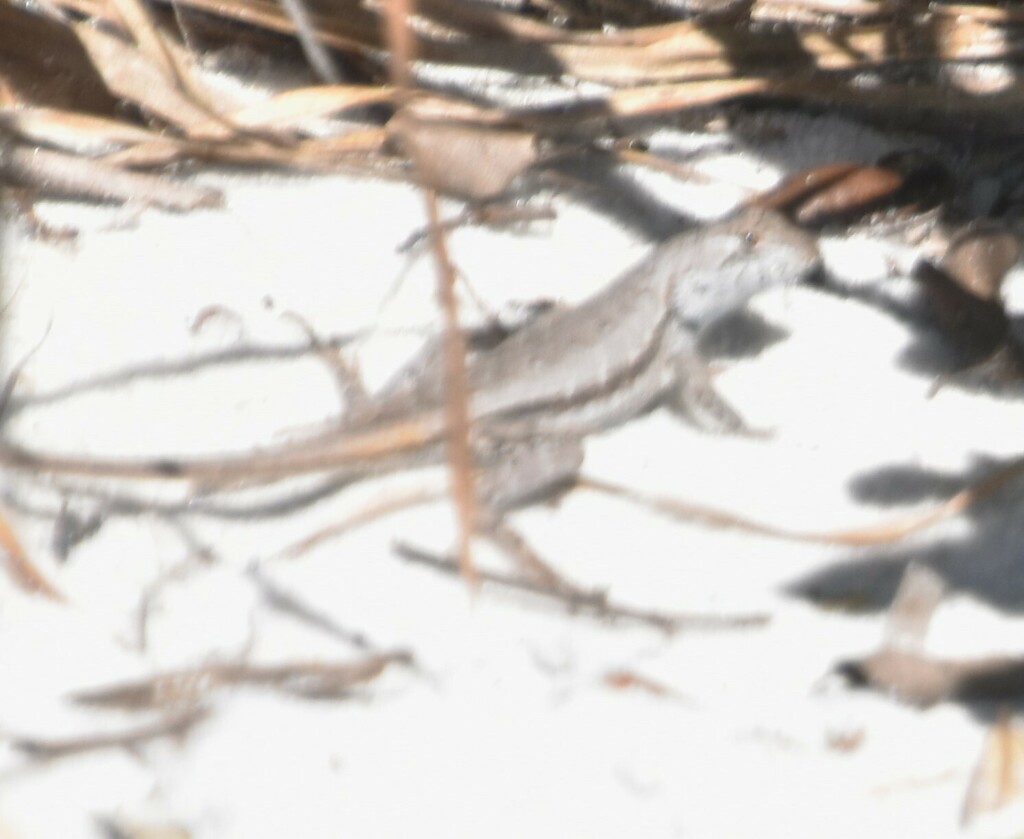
(159, 334)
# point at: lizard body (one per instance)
(534, 396)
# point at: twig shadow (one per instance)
(987, 562)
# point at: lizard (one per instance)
(536, 395)
(567, 373)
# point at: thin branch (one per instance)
(886, 533)
(594, 604)
(173, 725)
(456, 408)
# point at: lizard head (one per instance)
(719, 268)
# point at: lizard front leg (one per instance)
(692, 394)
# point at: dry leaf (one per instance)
(979, 258)
(622, 679)
(799, 186)
(850, 195)
(131, 76)
(80, 177)
(998, 779)
(311, 154)
(71, 131)
(655, 99)
(901, 670)
(920, 592)
(291, 108)
(20, 567)
(909, 677)
(924, 681)
(151, 44)
(176, 65)
(463, 159)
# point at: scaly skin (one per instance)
(567, 373)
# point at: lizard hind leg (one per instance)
(516, 474)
